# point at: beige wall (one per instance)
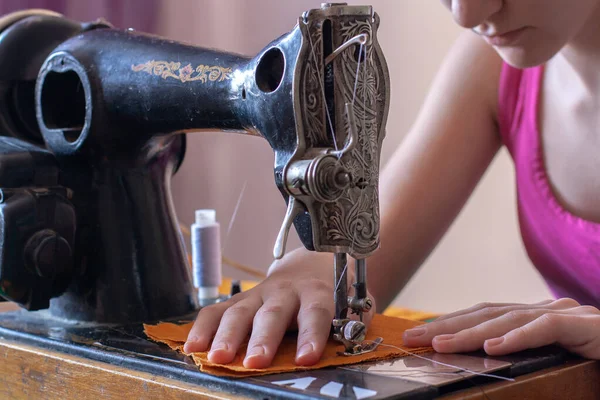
(481, 258)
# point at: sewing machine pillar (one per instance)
(131, 263)
(119, 139)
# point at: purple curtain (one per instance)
(138, 14)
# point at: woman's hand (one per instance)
(297, 294)
(507, 328)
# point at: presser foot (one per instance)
(352, 335)
(355, 349)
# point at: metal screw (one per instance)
(359, 305)
(342, 179)
(368, 305)
(355, 331)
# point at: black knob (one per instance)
(48, 254)
(236, 288)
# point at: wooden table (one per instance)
(577, 380)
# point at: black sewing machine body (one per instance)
(103, 113)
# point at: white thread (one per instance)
(234, 215)
(446, 365)
(341, 277)
(345, 266)
(206, 254)
(364, 125)
(350, 121)
(312, 47)
(357, 71)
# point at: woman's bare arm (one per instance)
(434, 171)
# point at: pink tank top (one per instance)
(564, 248)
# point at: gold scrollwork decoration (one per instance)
(169, 69)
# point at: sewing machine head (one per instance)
(341, 99)
(106, 107)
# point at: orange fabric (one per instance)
(389, 328)
(409, 314)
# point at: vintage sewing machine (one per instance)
(94, 121)
(95, 132)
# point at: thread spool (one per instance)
(206, 255)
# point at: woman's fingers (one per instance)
(473, 309)
(205, 326)
(577, 333)
(233, 329)
(314, 326)
(462, 320)
(502, 329)
(483, 306)
(270, 324)
(473, 338)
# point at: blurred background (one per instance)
(480, 259)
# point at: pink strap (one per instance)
(509, 102)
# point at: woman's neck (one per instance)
(582, 54)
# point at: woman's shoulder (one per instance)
(476, 67)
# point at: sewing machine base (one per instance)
(404, 378)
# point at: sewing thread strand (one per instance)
(445, 364)
(312, 47)
(234, 215)
(337, 285)
(357, 72)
